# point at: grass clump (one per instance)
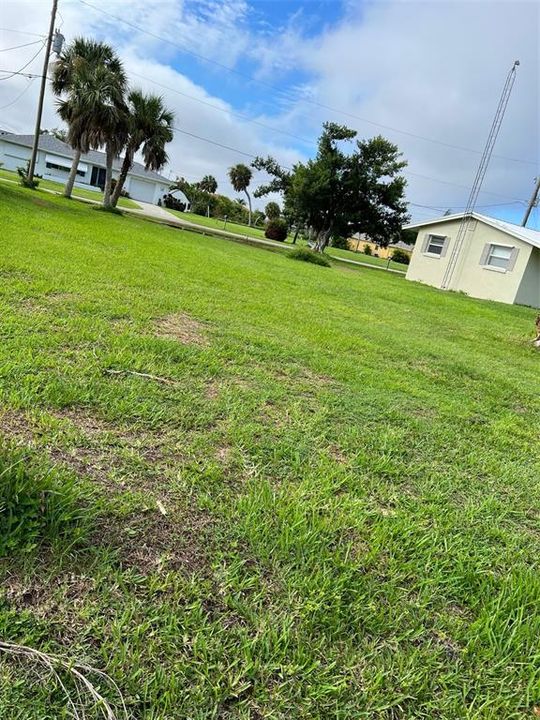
(309, 256)
(37, 505)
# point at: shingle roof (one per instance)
(528, 235)
(51, 144)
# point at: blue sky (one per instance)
(427, 75)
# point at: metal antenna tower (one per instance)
(480, 174)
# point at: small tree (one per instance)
(400, 256)
(240, 176)
(276, 229)
(272, 210)
(367, 249)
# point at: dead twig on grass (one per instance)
(79, 673)
(147, 376)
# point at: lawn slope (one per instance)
(317, 499)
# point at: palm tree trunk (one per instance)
(126, 167)
(109, 154)
(322, 240)
(72, 174)
(249, 203)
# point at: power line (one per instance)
(19, 71)
(466, 187)
(218, 144)
(22, 32)
(227, 110)
(280, 91)
(405, 172)
(19, 96)
(17, 47)
(27, 75)
(241, 152)
(278, 130)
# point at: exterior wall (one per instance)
(529, 289)
(145, 190)
(13, 156)
(139, 189)
(470, 276)
(355, 244)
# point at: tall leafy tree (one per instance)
(149, 129)
(208, 184)
(337, 193)
(75, 67)
(240, 176)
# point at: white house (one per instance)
(496, 261)
(54, 160)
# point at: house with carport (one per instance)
(54, 160)
(497, 260)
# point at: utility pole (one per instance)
(532, 201)
(32, 165)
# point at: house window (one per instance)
(53, 166)
(499, 256)
(435, 244)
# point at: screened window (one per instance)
(499, 256)
(435, 245)
(61, 168)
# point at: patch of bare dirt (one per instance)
(182, 327)
(150, 541)
(223, 454)
(57, 296)
(14, 425)
(338, 455)
(32, 595)
(212, 390)
(102, 451)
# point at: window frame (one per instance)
(508, 267)
(439, 255)
(52, 166)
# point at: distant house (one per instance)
(54, 160)
(497, 260)
(358, 243)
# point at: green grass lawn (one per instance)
(46, 184)
(218, 224)
(368, 259)
(319, 500)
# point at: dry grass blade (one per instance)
(148, 376)
(79, 673)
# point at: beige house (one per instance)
(496, 261)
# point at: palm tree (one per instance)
(95, 113)
(208, 184)
(240, 176)
(149, 127)
(74, 63)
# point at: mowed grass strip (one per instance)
(312, 492)
(78, 192)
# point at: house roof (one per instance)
(51, 144)
(528, 235)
